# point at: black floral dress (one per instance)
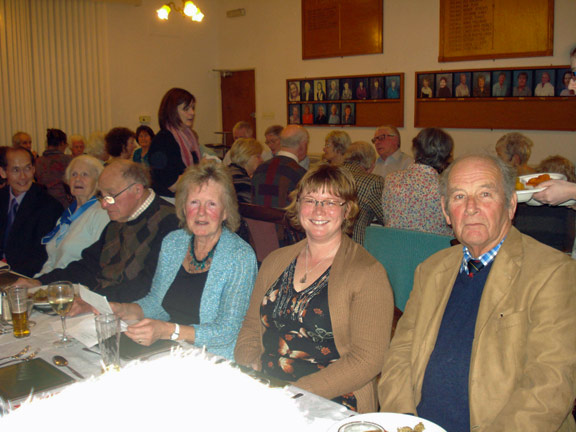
(298, 339)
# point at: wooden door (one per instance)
(238, 100)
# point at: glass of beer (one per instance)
(18, 299)
(61, 297)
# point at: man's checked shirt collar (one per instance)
(486, 258)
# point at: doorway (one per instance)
(238, 90)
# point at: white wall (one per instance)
(147, 58)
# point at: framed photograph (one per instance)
(333, 89)
(307, 114)
(545, 80)
(426, 86)
(562, 80)
(319, 90)
(361, 91)
(393, 87)
(481, 84)
(294, 91)
(522, 83)
(376, 88)
(294, 114)
(307, 93)
(444, 85)
(501, 83)
(320, 116)
(334, 115)
(348, 114)
(346, 88)
(462, 82)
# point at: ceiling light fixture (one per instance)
(188, 9)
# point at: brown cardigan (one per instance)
(361, 308)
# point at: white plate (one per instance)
(389, 421)
(525, 196)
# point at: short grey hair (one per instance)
(95, 166)
(362, 153)
(133, 171)
(507, 172)
(76, 137)
(394, 129)
(340, 141)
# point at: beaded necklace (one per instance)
(199, 264)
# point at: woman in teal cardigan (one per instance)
(205, 274)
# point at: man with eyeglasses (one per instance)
(27, 213)
(121, 264)
(387, 142)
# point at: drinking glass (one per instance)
(61, 297)
(18, 298)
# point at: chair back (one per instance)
(400, 251)
(268, 227)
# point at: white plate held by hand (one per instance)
(387, 421)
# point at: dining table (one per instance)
(46, 329)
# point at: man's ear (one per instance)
(3, 173)
(446, 215)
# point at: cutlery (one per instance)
(62, 362)
(23, 359)
(17, 355)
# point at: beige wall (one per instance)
(147, 58)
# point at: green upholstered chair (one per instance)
(400, 251)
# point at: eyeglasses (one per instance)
(328, 204)
(382, 137)
(111, 199)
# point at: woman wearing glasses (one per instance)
(321, 311)
(82, 222)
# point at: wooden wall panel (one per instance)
(336, 28)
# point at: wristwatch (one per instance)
(176, 334)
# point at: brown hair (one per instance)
(558, 164)
(333, 179)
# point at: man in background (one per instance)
(276, 178)
(387, 142)
(77, 145)
(24, 140)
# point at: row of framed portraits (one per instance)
(549, 82)
(377, 87)
(334, 113)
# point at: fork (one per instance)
(17, 355)
(24, 359)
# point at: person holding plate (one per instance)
(321, 312)
(205, 272)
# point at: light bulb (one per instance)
(163, 12)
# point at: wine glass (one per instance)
(61, 297)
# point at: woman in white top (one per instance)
(82, 222)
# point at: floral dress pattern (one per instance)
(298, 340)
(411, 200)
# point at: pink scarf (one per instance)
(188, 144)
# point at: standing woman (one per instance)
(144, 135)
(175, 147)
(321, 311)
(82, 223)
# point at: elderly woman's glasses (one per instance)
(111, 199)
(328, 204)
